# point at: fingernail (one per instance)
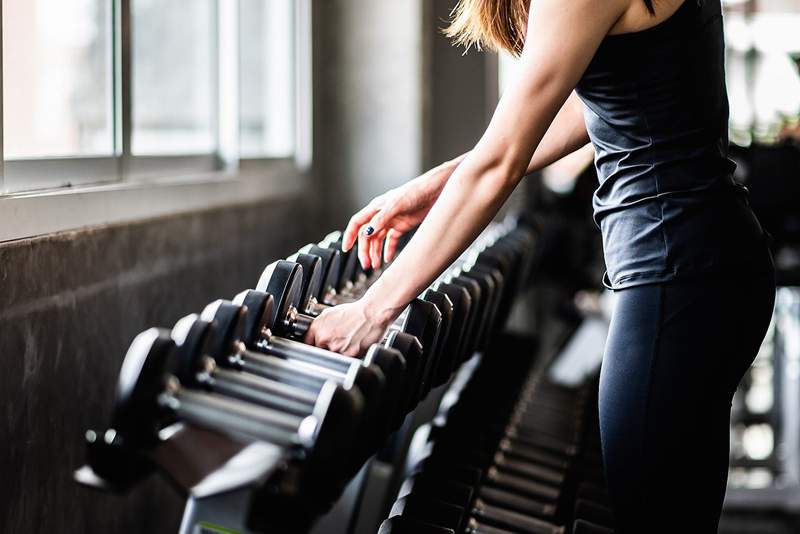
(369, 230)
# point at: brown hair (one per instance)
(494, 24)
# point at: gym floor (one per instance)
(159, 155)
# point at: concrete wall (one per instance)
(393, 97)
(69, 306)
(368, 99)
(461, 89)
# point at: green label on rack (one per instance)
(207, 528)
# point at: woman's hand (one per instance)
(380, 224)
(350, 329)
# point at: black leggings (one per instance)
(674, 357)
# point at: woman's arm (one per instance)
(394, 213)
(566, 134)
(561, 40)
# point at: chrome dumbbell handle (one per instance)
(262, 391)
(220, 413)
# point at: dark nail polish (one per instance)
(369, 230)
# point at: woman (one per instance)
(685, 256)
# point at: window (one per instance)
(57, 79)
(174, 77)
(267, 90)
(762, 59)
(98, 91)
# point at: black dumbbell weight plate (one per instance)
(284, 281)
(312, 279)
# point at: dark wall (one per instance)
(461, 89)
(69, 305)
(368, 93)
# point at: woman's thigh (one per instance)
(674, 356)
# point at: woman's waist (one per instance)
(670, 239)
(638, 194)
(721, 216)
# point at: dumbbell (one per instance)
(479, 454)
(504, 255)
(545, 427)
(509, 488)
(331, 297)
(480, 288)
(342, 269)
(149, 398)
(433, 476)
(318, 293)
(430, 507)
(434, 351)
(454, 303)
(544, 484)
(518, 247)
(469, 339)
(353, 275)
(503, 470)
(535, 464)
(284, 280)
(326, 264)
(468, 495)
(551, 432)
(459, 274)
(483, 262)
(345, 270)
(507, 256)
(398, 357)
(525, 452)
(350, 264)
(462, 313)
(342, 272)
(545, 495)
(490, 281)
(483, 453)
(457, 348)
(316, 266)
(340, 407)
(236, 342)
(507, 494)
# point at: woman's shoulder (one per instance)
(637, 19)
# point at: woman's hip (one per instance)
(702, 332)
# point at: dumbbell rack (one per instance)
(511, 451)
(250, 425)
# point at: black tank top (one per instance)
(656, 110)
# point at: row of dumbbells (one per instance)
(515, 454)
(239, 369)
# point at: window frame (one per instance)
(124, 175)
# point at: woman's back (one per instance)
(656, 110)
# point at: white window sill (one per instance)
(24, 215)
